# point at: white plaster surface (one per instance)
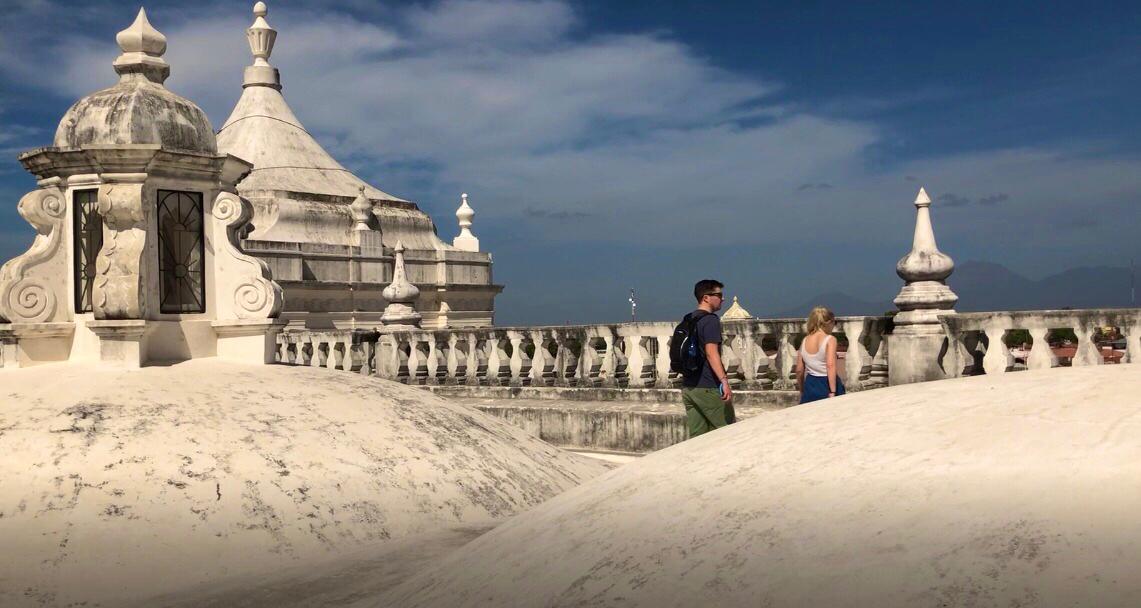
(117, 485)
(1012, 490)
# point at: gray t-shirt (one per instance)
(708, 331)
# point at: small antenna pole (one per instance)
(633, 305)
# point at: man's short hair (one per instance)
(705, 287)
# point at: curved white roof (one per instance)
(263, 130)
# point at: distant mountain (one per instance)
(988, 286)
(840, 303)
(983, 286)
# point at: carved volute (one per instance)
(33, 286)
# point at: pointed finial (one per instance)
(143, 47)
(466, 241)
(261, 38)
(921, 199)
(924, 271)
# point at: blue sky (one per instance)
(609, 145)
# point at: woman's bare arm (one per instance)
(830, 358)
(799, 373)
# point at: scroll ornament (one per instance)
(245, 289)
(34, 284)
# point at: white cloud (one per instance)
(631, 138)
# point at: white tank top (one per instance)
(816, 364)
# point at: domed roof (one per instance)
(1009, 490)
(139, 109)
(122, 484)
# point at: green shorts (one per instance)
(715, 411)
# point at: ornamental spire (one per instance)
(261, 38)
(924, 270)
(466, 240)
(401, 295)
(143, 47)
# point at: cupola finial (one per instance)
(261, 38)
(143, 47)
(466, 240)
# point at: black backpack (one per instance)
(686, 354)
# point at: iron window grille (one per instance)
(182, 276)
(87, 227)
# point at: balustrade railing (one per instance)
(977, 345)
(759, 354)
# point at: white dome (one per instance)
(1013, 490)
(120, 485)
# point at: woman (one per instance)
(816, 360)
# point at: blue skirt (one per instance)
(816, 388)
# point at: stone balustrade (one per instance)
(759, 354)
(972, 335)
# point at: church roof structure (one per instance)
(264, 130)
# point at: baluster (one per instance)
(1087, 354)
(786, 360)
(453, 362)
(1041, 355)
(539, 359)
(609, 364)
(730, 360)
(433, 363)
(662, 360)
(516, 363)
(748, 354)
(997, 359)
(877, 376)
(386, 357)
(471, 374)
(1132, 343)
(348, 363)
(366, 355)
(857, 356)
(493, 359)
(635, 361)
(413, 359)
(762, 363)
(560, 359)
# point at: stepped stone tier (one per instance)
(1005, 490)
(328, 236)
(120, 484)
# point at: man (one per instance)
(707, 395)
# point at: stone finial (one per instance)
(261, 38)
(736, 311)
(925, 262)
(361, 209)
(466, 240)
(143, 47)
(401, 295)
(924, 270)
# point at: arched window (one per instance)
(182, 259)
(87, 230)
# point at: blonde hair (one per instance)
(818, 318)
